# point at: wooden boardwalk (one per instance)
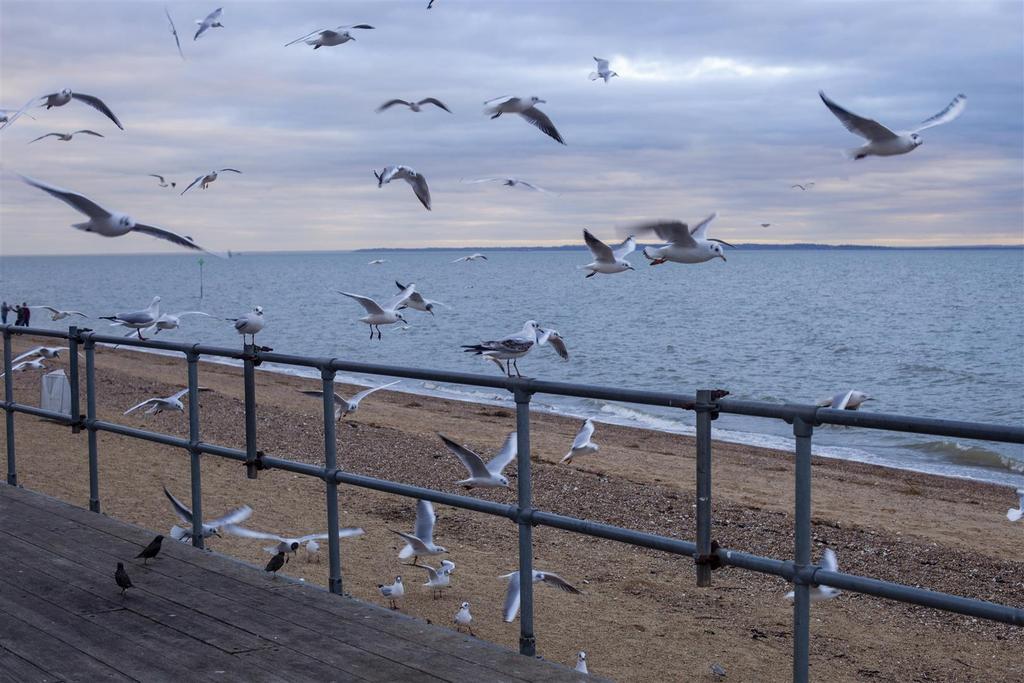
(198, 615)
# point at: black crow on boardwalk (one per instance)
(151, 550)
(276, 562)
(121, 576)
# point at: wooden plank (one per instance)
(34, 645)
(14, 669)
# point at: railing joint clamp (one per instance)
(252, 467)
(331, 476)
(712, 405)
(712, 559)
(328, 373)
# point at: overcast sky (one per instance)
(716, 109)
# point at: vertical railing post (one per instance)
(194, 453)
(802, 430)
(12, 465)
(331, 483)
(527, 641)
(249, 381)
(76, 414)
(703, 408)
(90, 424)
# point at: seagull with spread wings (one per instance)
(211, 527)
(512, 592)
(159, 405)
(212, 20)
(376, 314)
(325, 37)
(66, 137)
(205, 180)
(414, 106)
(420, 543)
(285, 544)
(527, 108)
(684, 245)
(343, 406)
(582, 444)
(606, 259)
(59, 99)
(602, 70)
(507, 181)
(57, 314)
(481, 474)
(416, 181)
(174, 32)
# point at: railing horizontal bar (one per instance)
(63, 418)
(453, 499)
(615, 533)
(180, 347)
(145, 435)
(922, 425)
(35, 332)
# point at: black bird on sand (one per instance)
(122, 578)
(151, 550)
(276, 562)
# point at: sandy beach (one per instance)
(641, 618)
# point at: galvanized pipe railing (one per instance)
(706, 404)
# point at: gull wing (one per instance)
(344, 532)
(479, 180)
(363, 394)
(700, 231)
(97, 104)
(319, 394)
(177, 396)
(178, 315)
(416, 545)
(233, 170)
(174, 31)
(179, 508)
(556, 581)
(511, 608)
(29, 353)
(583, 436)
(840, 400)
(506, 455)
(425, 519)
(952, 111)
(371, 306)
(400, 298)
(56, 135)
(627, 247)
(473, 463)
(158, 177)
(539, 119)
(531, 186)
(235, 530)
(86, 131)
(420, 189)
(391, 103)
(602, 64)
(829, 562)
(869, 129)
(557, 343)
(76, 201)
(436, 102)
(308, 35)
(601, 251)
(147, 402)
(431, 572)
(11, 118)
(675, 232)
(160, 233)
(193, 183)
(236, 516)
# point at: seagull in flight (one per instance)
(137, 320)
(845, 400)
(285, 544)
(160, 180)
(33, 364)
(421, 542)
(471, 257)
(174, 32)
(159, 405)
(112, 223)
(514, 346)
(1014, 514)
(417, 302)
(512, 592)
(582, 445)
(59, 99)
(326, 37)
(602, 70)
(684, 245)
(484, 475)
(56, 314)
(884, 142)
(414, 106)
(606, 259)
(212, 20)
(377, 315)
(205, 180)
(818, 592)
(507, 182)
(210, 527)
(66, 137)
(437, 579)
(42, 351)
(344, 406)
(803, 187)
(525, 107)
(409, 175)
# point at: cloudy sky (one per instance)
(716, 109)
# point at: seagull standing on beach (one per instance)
(471, 257)
(512, 592)
(326, 37)
(137, 320)
(483, 475)
(507, 181)
(111, 223)
(212, 20)
(525, 107)
(344, 406)
(463, 619)
(684, 245)
(414, 106)
(830, 564)
(421, 542)
(66, 137)
(515, 346)
(377, 315)
(159, 405)
(845, 400)
(884, 142)
(416, 181)
(417, 302)
(392, 591)
(1014, 514)
(581, 663)
(210, 527)
(59, 99)
(249, 324)
(602, 70)
(205, 180)
(608, 260)
(582, 445)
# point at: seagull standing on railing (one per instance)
(515, 346)
(480, 474)
(249, 324)
(210, 527)
(421, 542)
(344, 406)
(512, 592)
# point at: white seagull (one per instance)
(170, 321)
(602, 70)
(43, 351)
(212, 20)
(845, 400)
(66, 137)
(344, 406)
(525, 107)
(818, 592)
(112, 223)
(581, 663)
(1014, 514)
(57, 314)
(884, 142)
(376, 262)
(512, 592)
(684, 245)
(312, 551)
(159, 405)
(392, 591)
(174, 32)
(137, 320)
(210, 527)
(421, 542)
(463, 619)
(33, 364)
(517, 345)
(161, 182)
(507, 181)
(414, 106)
(417, 302)
(249, 324)
(437, 579)
(415, 180)
(59, 99)
(285, 544)
(582, 445)
(471, 257)
(325, 37)
(480, 474)
(205, 180)
(606, 259)
(377, 315)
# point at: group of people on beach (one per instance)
(22, 313)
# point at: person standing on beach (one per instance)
(4, 310)
(18, 315)
(26, 312)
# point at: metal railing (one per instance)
(706, 404)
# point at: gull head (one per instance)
(294, 546)
(430, 308)
(536, 100)
(465, 605)
(581, 656)
(916, 139)
(258, 310)
(65, 92)
(503, 480)
(125, 221)
(400, 317)
(719, 252)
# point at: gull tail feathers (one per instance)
(406, 552)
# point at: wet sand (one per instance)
(641, 618)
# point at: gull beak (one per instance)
(722, 256)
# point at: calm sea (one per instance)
(937, 333)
